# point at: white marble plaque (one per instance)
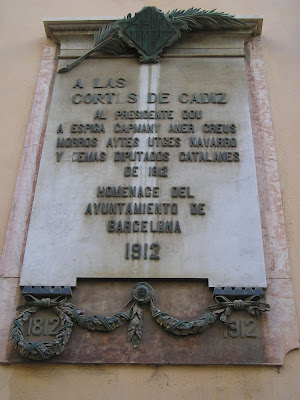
(183, 128)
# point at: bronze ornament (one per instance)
(142, 293)
(41, 351)
(151, 30)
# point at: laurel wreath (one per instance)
(41, 351)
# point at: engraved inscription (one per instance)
(142, 159)
(241, 329)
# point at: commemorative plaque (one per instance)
(147, 189)
(148, 170)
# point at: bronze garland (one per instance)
(141, 293)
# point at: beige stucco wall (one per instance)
(22, 41)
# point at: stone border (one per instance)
(282, 321)
(17, 228)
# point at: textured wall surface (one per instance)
(22, 41)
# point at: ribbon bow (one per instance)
(45, 302)
(252, 305)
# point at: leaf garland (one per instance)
(69, 315)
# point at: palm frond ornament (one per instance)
(151, 30)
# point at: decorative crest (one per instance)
(151, 30)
